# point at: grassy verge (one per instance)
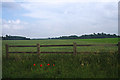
(102, 65)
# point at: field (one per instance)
(104, 64)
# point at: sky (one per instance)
(43, 19)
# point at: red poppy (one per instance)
(41, 65)
(34, 64)
(53, 64)
(48, 64)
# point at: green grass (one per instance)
(101, 65)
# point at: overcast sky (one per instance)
(58, 18)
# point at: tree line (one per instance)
(14, 38)
(89, 36)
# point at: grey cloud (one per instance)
(70, 18)
(11, 5)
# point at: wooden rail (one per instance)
(74, 48)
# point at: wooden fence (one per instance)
(74, 48)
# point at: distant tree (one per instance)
(14, 38)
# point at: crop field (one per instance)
(104, 64)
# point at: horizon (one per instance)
(56, 36)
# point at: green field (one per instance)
(101, 65)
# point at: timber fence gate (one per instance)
(74, 48)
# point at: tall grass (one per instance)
(103, 65)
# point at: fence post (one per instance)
(38, 49)
(118, 47)
(7, 55)
(74, 48)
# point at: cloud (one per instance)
(13, 24)
(14, 27)
(11, 5)
(75, 18)
(72, 11)
(50, 20)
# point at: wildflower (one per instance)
(34, 64)
(82, 64)
(41, 65)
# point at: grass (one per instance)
(101, 65)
